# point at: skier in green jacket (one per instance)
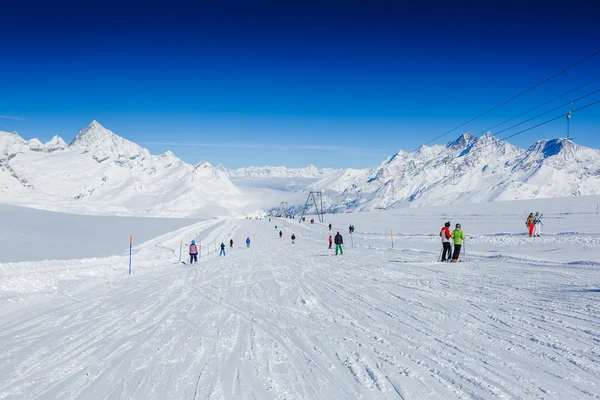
(457, 236)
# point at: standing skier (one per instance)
(329, 226)
(280, 234)
(538, 224)
(530, 223)
(222, 253)
(457, 236)
(339, 241)
(447, 246)
(248, 242)
(330, 241)
(230, 242)
(293, 238)
(193, 252)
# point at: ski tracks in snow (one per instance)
(290, 321)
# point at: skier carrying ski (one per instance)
(457, 236)
(230, 242)
(538, 223)
(447, 246)
(280, 234)
(339, 241)
(247, 242)
(193, 252)
(293, 238)
(329, 226)
(530, 223)
(330, 241)
(222, 253)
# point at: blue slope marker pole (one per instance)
(392, 236)
(180, 248)
(130, 246)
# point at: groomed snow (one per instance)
(33, 235)
(293, 321)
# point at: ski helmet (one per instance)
(537, 213)
(458, 226)
(447, 224)
(193, 242)
(531, 214)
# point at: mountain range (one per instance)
(100, 172)
(469, 169)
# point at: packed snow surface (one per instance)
(32, 235)
(293, 321)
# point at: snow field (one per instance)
(287, 321)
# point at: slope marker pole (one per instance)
(130, 247)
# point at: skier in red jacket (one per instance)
(447, 246)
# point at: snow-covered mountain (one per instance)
(100, 172)
(467, 170)
(277, 172)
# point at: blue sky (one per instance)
(335, 84)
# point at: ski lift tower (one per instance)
(283, 207)
(318, 205)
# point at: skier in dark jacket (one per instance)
(339, 241)
(280, 234)
(293, 238)
(231, 243)
(222, 253)
(329, 226)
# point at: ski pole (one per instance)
(440, 257)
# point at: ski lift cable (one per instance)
(514, 97)
(547, 112)
(541, 105)
(512, 135)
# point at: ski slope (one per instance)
(293, 321)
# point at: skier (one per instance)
(275, 227)
(457, 236)
(293, 238)
(280, 234)
(269, 219)
(329, 226)
(447, 246)
(350, 230)
(193, 252)
(538, 223)
(247, 242)
(530, 223)
(339, 241)
(330, 241)
(222, 253)
(230, 242)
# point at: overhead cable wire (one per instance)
(515, 96)
(541, 105)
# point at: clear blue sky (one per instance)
(336, 84)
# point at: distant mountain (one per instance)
(466, 170)
(100, 172)
(278, 172)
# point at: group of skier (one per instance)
(533, 223)
(194, 249)
(457, 236)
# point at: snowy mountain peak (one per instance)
(94, 134)
(555, 147)
(463, 141)
(103, 144)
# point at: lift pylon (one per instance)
(318, 205)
